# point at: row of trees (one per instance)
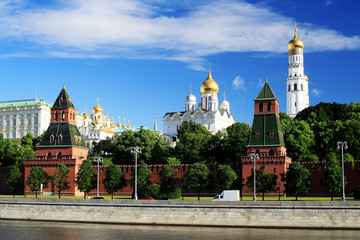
(197, 179)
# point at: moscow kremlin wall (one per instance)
(62, 143)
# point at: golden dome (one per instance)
(209, 85)
(119, 124)
(295, 42)
(100, 116)
(86, 116)
(107, 119)
(306, 78)
(97, 122)
(112, 125)
(97, 109)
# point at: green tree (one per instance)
(297, 180)
(237, 139)
(60, 178)
(168, 183)
(14, 180)
(154, 149)
(196, 179)
(37, 177)
(104, 146)
(192, 145)
(225, 177)
(217, 150)
(144, 186)
(86, 177)
(299, 140)
(332, 180)
(265, 182)
(114, 180)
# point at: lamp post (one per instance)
(98, 160)
(254, 157)
(135, 151)
(342, 145)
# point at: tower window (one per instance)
(269, 106)
(271, 152)
(295, 86)
(261, 107)
(289, 86)
(302, 87)
(295, 104)
(272, 134)
(257, 134)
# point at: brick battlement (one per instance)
(49, 162)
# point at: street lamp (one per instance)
(342, 145)
(254, 157)
(135, 151)
(98, 160)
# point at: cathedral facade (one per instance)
(207, 112)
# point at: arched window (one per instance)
(257, 152)
(261, 107)
(289, 87)
(269, 106)
(257, 134)
(271, 152)
(63, 115)
(302, 87)
(58, 155)
(48, 155)
(295, 87)
(55, 115)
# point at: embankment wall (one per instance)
(270, 214)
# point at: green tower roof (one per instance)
(266, 93)
(63, 100)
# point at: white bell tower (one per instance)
(297, 81)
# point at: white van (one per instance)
(228, 195)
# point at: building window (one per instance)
(58, 155)
(48, 155)
(257, 152)
(295, 86)
(36, 121)
(62, 115)
(269, 107)
(14, 134)
(289, 86)
(302, 87)
(55, 115)
(1, 121)
(274, 169)
(260, 107)
(14, 121)
(271, 152)
(257, 134)
(272, 134)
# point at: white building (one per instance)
(17, 118)
(297, 81)
(207, 112)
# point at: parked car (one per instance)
(147, 198)
(164, 198)
(97, 198)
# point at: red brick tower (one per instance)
(266, 138)
(61, 143)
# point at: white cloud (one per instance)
(316, 92)
(239, 83)
(328, 2)
(260, 83)
(147, 29)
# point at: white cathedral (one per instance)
(207, 112)
(297, 81)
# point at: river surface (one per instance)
(70, 231)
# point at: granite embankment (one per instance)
(268, 214)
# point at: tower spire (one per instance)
(64, 85)
(224, 95)
(155, 125)
(295, 30)
(190, 89)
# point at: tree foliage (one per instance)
(86, 177)
(61, 178)
(265, 182)
(225, 177)
(237, 139)
(14, 180)
(297, 180)
(332, 180)
(37, 177)
(13, 152)
(196, 179)
(168, 183)
(144, 186)
(104, 146)
(114, 180)
(154, 149)
(193, 140)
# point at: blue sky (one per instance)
(140, 57)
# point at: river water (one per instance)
(70, 231)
